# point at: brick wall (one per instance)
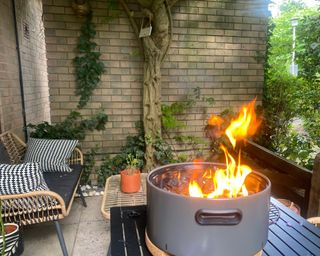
(33, 62)
(10, 97)
(216, 47)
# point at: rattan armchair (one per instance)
(40, 206)
(315, 221)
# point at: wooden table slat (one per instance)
(289, 240)
(297, 236)
(122, 215)
(289, 215)
(280, 244)
(140, 221)
(131, 235)
(310, 233)
(116, 233)
(270, 250)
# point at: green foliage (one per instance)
(169, 119)
(88, 69)
(132, 162)
(135, 146)
(286, 97)
(170, 112)
(298, 147)
(308, 50)
(89, 165)
(73, 127)
(113, 10)
(163, 151)
(280, 36)
(173, 128)
(88, 66)
(109, 167)
(196, 143)
(279, 107)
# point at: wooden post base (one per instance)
(155, 251)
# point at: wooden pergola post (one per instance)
(314, 199)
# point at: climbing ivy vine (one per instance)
(88, 66)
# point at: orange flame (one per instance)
(194, 189)
(244, 125)
(229, 182)
(215, 120)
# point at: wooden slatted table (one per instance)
(289, 235)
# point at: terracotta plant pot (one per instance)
(11, 237)
(130, 181)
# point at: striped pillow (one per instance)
(52, 155)
(21, 178)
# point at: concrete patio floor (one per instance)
(85, 231)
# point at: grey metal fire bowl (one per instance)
(187, 226)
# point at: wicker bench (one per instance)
(37, 207)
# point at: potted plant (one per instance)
(130, 176)
(9, 237)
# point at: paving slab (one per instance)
(75, 213)
(85, 231)
(42, 240)
(93, 211)
(92, 238)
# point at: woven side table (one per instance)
(114, 197)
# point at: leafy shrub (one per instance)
(135, 146)
(89, 165)
(163, 152)
(287, 97)
(299, 148)
(73, 127)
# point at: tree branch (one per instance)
(172, 3)
(132, 22)
(170, 28)
(147, 13)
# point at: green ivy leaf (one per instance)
(88, 66)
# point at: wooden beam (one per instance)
(314, 199)
(288, 179)
(277, 162)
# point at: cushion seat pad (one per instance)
(64, 183)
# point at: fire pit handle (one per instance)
(218, 217)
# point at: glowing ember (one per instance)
(228, 182)
(215, 120)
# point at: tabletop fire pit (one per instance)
(204, 208)
(184, 225)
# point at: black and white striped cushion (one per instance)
(52, 155)
(21, 178)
